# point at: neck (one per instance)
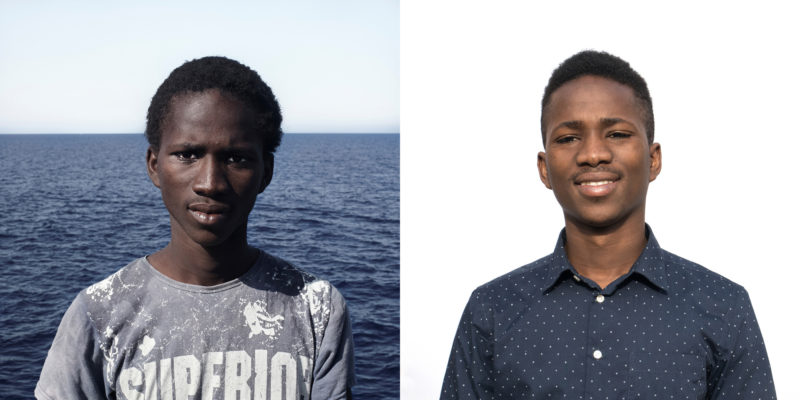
(605, 254)
(189, 262)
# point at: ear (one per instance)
(269, 165)
(152, 166)
(655, 161)
(542, 165)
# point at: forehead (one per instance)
(592, 97)
(205, 104)
(209, 115)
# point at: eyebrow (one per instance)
(609, 122)
(605, 122)
(192, 147)
(186, 146)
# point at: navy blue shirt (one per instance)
(669, 329)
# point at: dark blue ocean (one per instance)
(75, 208)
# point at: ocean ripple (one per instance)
(79, 207)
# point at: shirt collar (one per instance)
(649, 265)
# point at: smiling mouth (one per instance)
(597, 189)
(597, 183)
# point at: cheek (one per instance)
(244, 182)
(167, 185)
(642, 175)
(557, 168)
(171, 183)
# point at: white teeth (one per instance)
(598, 183)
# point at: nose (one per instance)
(594, 151)
(210, 178)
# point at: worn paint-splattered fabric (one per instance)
(274, 333)
(669, 329)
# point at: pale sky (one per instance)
(80, 67)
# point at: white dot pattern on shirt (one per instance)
(518, 340)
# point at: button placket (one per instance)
(598, 329)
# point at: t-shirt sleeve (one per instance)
(74, 365)
(468, 374)
(743, 371)
(333, 372)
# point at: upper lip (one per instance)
(595, 176)
(208, 208)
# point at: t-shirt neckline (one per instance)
(200, 288)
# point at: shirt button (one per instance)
(600, 298)
(597, 354)
(576, 277)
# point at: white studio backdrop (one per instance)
(723, 78)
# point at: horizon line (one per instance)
(142, 133)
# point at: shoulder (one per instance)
(692, 279)
(128, 279)
(528, 278)
(115, 293)
(532, 274)
(705, 293)
(313, 297)
(278, 274)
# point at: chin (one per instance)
(597, 220)
(209, 242)
(209, 239)
(207, 236)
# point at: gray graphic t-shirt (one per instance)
(274, 333)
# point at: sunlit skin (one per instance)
(210, 166)
(599, 164)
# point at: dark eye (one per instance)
(566, 139)
(237, 159)
(185, 155)
(619, 135)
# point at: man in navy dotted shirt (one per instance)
(608, 315)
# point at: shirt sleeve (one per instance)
(73, 368)
(468, 374)
(743, 372)
(333, 372)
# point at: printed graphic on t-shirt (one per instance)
(163, 340)
(230, 375)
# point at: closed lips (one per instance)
(208, 208)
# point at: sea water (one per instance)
(75, 208)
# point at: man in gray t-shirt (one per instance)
(207, 316)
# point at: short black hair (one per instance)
(228, 76)
(605, 65)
